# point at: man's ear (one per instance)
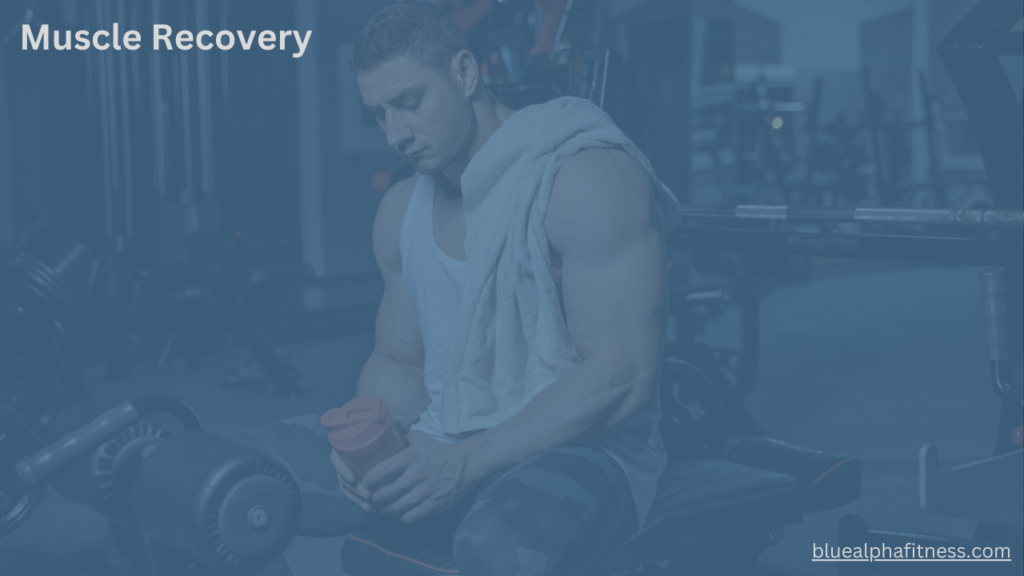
(465, 72)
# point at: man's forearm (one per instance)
(583, 403)
(399, 385)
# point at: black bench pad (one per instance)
(698, 502)
(702, 502)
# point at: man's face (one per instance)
(426, 117)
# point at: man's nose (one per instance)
(397, 132)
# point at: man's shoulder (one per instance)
(598, 184)
(394, 204)
(397, 196)
(601, 163)
(387, 226)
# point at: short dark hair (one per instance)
(408, 28)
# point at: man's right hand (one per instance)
(350, 487)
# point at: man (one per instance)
(520, 332)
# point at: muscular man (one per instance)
(538, 431)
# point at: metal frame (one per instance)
(974, 218)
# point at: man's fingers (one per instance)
(352, 489)
(389, 493)
(385, 471)
(356, 498)
(407, 501)
(343, 470)
(346, 487)
(347, 478)
(357, 489)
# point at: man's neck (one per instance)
(488, 115)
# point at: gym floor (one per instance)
(871, 361)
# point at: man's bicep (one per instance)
(397, 331)
(615, 302)
(605, 225)
(394, 371)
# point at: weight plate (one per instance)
(33, 380)
(46, 286)
(693, 420)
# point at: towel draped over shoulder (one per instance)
(510, 340)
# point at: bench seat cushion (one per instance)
(698, 502)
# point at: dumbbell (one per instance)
(38, 374)
(232, 509)
(48, 285)
(18, 440)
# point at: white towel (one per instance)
(510, 341)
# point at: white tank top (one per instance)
(435, 283)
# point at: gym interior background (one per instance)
(199, 224)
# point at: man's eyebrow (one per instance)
(403, 95)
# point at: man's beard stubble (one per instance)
(454, 142)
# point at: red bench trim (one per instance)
(829, 471)
(399, 556)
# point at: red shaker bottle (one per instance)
(363, 433)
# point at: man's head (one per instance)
(417, 77)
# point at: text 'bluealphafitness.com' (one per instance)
(910, 552)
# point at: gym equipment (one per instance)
(941, 179)
(38, 302)
(731, 372)
(694, 423)
(975, 218)
(208, 298)
(993, 293)
(229, 511)
(764, 136)
(88, 450)
(889, 135)
(48, 286)
(38, 374)
(938, 249)
(531, 51)
(708, 517)
(837, 163)
(182, 497)
(988, 490)
(971, 55)
(233, 509)
(18, 440)
(714, 250)
(826, 480)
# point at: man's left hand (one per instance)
(426, 477)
